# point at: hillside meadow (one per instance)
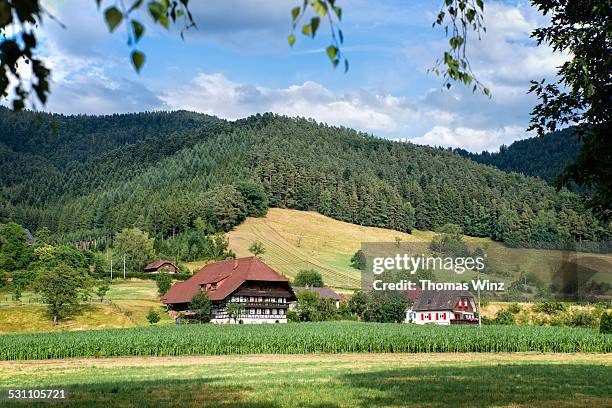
(296, 240)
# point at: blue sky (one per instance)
(238, 63)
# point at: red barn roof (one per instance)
(228, 275)
(153, 266)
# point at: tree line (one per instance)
(220, 172)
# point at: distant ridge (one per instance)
(544, 157)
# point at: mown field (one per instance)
(340, 380)
(296, 240)
(300, 338)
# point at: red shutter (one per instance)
(436, 316)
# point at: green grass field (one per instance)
(126, 306)
(345, 380)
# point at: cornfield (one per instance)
(325, 337)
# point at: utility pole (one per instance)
(123, 266)
(479, 318)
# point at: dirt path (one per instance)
(309, 358)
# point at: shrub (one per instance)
(201, 307)
(292, 316)
(504, 316)
(153, 316)
(515, 308)
(164, 283)
(583, 318)
(550, 307)
(257, 248)
(308, 277)
(605, 322)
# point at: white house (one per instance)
(442, 307)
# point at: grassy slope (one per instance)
(130, 302)
(296, 240)
(348, 380)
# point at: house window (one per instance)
(213, 286)
(258, 311)
(260, 299)
(274, 311)
(251, 311)
(267, 311)
(429, 301)
(281, 311)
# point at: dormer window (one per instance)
(213, 286)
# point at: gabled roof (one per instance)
(228, 275)
(153, 266)
(439, 299)
(325, 293)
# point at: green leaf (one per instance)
(314, 23)
(138, 30)
(320, 7)
(307, 30)
(113, 17)
(346, 66)
(138, 59)
(480, 4)
(295, 12)
(332, 51)
(338, 11)
(291, 39)
(135, 5)
(486, 91)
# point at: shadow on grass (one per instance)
(506, 385)
(554, 385)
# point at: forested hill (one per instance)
(163, 171)
(545, 157)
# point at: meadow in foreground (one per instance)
(345, 380)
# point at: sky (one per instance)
(238, 63)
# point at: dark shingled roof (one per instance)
(439, 299)
(229, 275)
(325, 293)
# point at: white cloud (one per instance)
(474, 140)
(215, 94)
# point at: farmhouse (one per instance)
(161, 266)
(325, 293)
(264, 293)
(442, 307)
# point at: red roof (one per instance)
(229, 275)
(153, 266)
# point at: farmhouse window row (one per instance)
(258, 299)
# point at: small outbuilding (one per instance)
(161, 266)
(325, 293)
